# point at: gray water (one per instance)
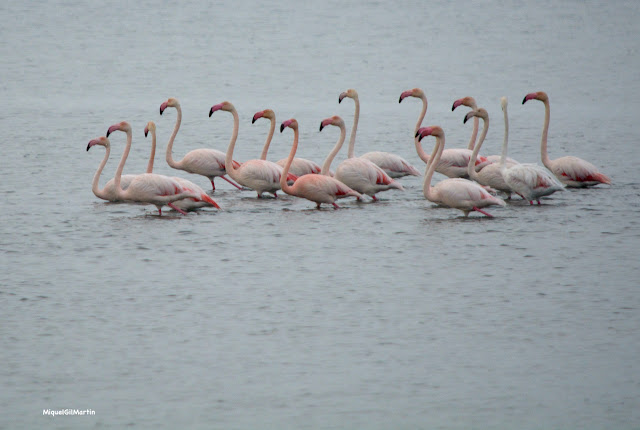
(272, 314)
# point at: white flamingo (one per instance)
(150, 188)
(571, 171)
(108, 192)
(206, 162)
(529, 180)
(316, 188)
(454, 161)
(490, 175)
(299, 166)
(359, 174)
(394, 165)
(457, 193)
(262, 176)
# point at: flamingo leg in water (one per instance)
(335, 206)
(175, 208)
(229, 181)
(482, 212)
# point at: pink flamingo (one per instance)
(470, 102)
(206, 162)
(184, 204)
(490, 175)
(108, 192)
(359, 174)
(300, 166)
(151, 188)
(529, 180)
(455, 193)
(572, 171)
(393, 165)
(454, 161)
(261, 176)
(316, 188)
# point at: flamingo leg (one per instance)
(482, 212)
(213, 185)
(375, 199)
(229, 181)
(335, 206)
(175, 208)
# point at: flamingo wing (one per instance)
(571, 169)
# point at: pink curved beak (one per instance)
(285, 124)
(456, 104)
(112, 129)
(257, 115)
(342, 96)
(146, 130)
(215, 108)
(424, 131)
(325, 123)
(404, 95)
(530, 96)
(163, 106)
(92, 142)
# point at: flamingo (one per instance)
(150, 188)
(572, 171)
(454, 161)
(359, 174)
(457, 193)
(490, 175)
(206, 162)
(530, 181)
(394, 165)
(108, 192)
(300, 166)
(470, 102)
(184, 204)
(261, 176)
(317, 188)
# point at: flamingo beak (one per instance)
(256, 116)
(146, 131)
(342, 96)
(163, 106)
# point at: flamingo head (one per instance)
(503, 103)
(102, 141)
(351, 93)
(225, 106)
(416, 92)
(267, 113)
(469, 102)
(291, 123)
(480, 113)
(539, 95)
(121, 126)
(171, 102)
(150, 127)
(334, 120)
(433, 130)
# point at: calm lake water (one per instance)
(270, 314)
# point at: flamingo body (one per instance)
(301, 167)
(531, 181)
(365, 177)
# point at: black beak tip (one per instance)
(281, 127)
(210, 113)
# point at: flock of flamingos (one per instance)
(473, 180)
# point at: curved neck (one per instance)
(354, 129)
(471, 167)
(327, 162)
(153, 152)
(474, 133)
(427, 189)
(96, 178)
(170, 161)
(265, 149)
(416, 140)
(545, 130)
(228, 161)
(117, 178)
(505, 140)
(284, 185)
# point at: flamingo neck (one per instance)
(423, 155)
(545, 131)
(327, 162)
(170, 161)
(474, 133)
(354, 129)
(471, 167)
(427, 189)
(505, 141)
(267, 143)
(116, 180)
(284, 185)
(96, 178)
(153, 152)
(228, 161)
